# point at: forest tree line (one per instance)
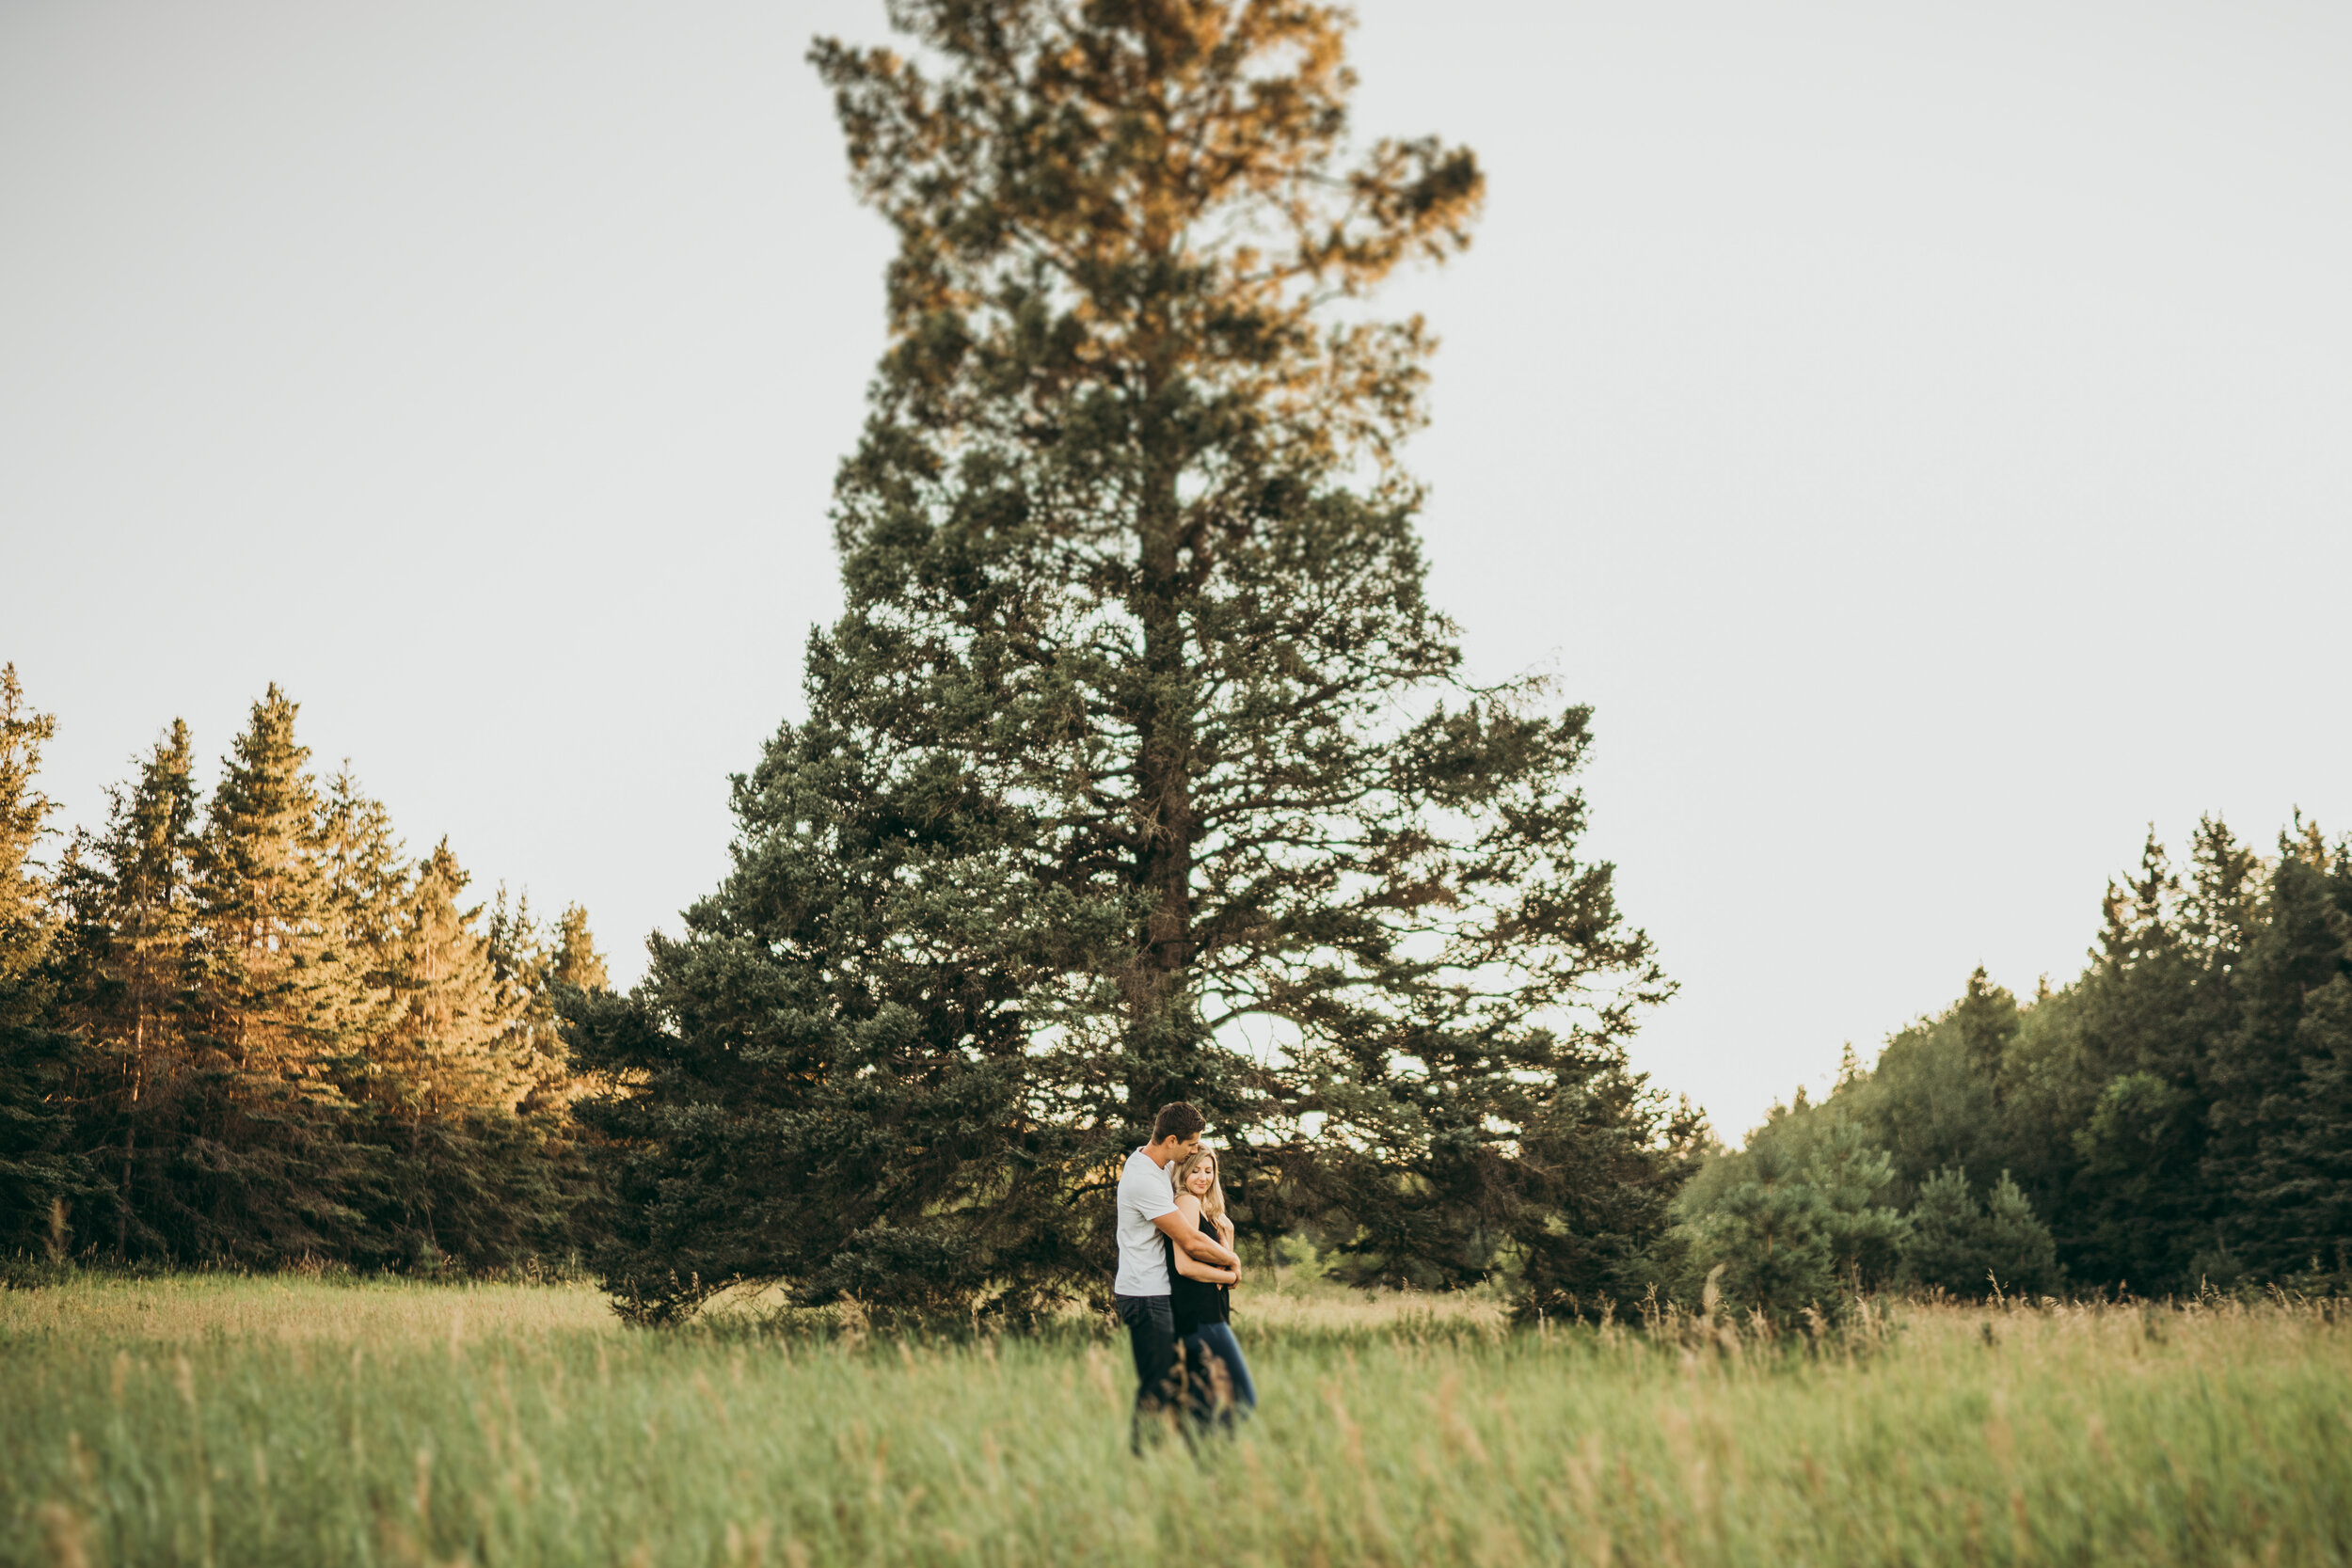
(251, 1029)
(2179, 1117)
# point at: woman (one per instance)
(1201, 1295)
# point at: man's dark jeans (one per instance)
(1151, 1335)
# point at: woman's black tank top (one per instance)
(1194, 1302)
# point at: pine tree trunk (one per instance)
(1163, 778)
(131, 1135)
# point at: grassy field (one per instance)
(247, 1422)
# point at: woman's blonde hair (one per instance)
(1212, 1205)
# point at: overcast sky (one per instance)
(1923, 432)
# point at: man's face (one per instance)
(1186, 1148)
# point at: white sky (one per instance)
(1923, 430)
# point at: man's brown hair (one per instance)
(1177, 1120)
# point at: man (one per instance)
(1147, 1209)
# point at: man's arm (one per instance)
(1192, 1268)
(1187, 1236)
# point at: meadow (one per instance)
(222, 1420)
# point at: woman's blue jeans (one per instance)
(1217, 1341)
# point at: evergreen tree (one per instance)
(518, 951)
(571, 966)
(135, 929)
(478, 1170)
(26, 921)
(283, 996)
(1796, 1219)
(2221, 911)
(2137, 1211)
(1140, 767)
(566, 1205)
(1760, 1232)
(1987, 1021)
(446, 1065)
(367, 875)
(280, 1009)
(41, 1176)
(2279, 1155)
(1929, 1100)
(1853, 1173)
(2019, 1252)
(2048, 1090)
(451, 1045)
(526, 972)
(2303, 1189)
(576, 961)
(1969, 1246)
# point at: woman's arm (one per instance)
(1191, 1267)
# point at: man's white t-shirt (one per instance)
(1145, 1194)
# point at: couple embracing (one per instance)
(1177, 1268)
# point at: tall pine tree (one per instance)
(1140, 767)
(134, 923)
(281, 1005)
(446, 1079)
(367, 888)
(542, 974)
(520, 972)
(285, 994)
(2278, 1162)
(451, 1046)
(2135, 1210)
(576, 961)
(42, 1174)
(27, 922)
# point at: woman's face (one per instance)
(1198, 1180)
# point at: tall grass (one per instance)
(226, 1421)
